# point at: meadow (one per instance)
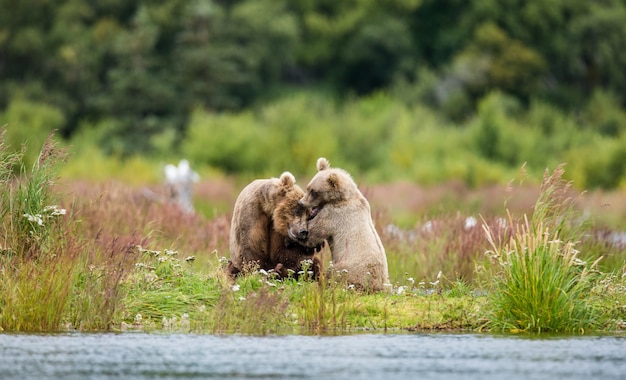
(103, 255)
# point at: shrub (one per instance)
(28, 124)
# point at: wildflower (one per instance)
(411, 280)
(437, 280)
(242, 298)
(54, 210)
(138, 318)
(400, 290)
(428, 227)
(470, 222)
(190, 258)
(34, 218)
(235, 287)
(270, 283)
(222, 260)
(170, 252)
(263, 272)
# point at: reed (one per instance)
(322, 306)
(36, 268)
(540, 283)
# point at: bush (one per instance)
(29, 123)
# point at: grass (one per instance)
(540, 283)
(118, 260)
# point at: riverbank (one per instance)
(108, 257)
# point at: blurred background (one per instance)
(422, 91)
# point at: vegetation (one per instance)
(430, 89)
(103, 256)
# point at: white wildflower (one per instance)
(235, 287)
(428, 227)
(54, 210)
(34, 218)
(436, 282)
(470, 222)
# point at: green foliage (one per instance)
(164, 286)
(28, 124)
(34, 287)
(540, 283)
(604, 113)
(148, 64)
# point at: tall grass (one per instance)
(36, 269)
(109, 263)
(540, 283)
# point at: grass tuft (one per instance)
(540, 283)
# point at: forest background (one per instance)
(425, 91)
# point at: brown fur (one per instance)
(341, 215)
(264, 211)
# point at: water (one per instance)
(373, 356)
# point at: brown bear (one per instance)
(341, 215)
(260, 228)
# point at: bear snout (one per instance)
(303, 234)
(298, 235)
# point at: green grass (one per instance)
(540, 283)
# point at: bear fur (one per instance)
(341, 215)
(264, 212)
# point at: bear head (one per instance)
(288, 216)
(328, 186)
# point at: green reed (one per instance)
(540, 283)
(36, 269)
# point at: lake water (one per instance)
(364, 356)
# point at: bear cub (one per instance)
(268, 226)
(340, 215)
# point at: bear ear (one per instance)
(322, 164)
(287, 180)
(333, 180)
